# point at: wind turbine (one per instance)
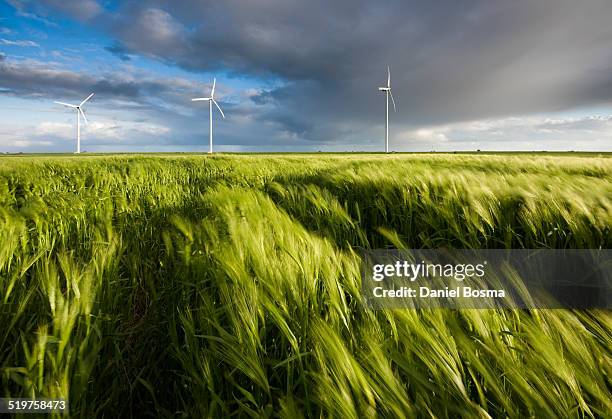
(210, 100)
(79, 111)
(388, 93)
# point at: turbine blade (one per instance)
(217, 105)
(86, 99)
(392, 100)
(388, 77)
(212, 93)
(66, 104)
(83, 115)
(198, 99)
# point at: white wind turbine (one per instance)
(210, 100)
(388, 93)
(79, 111)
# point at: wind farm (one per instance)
(211, 100)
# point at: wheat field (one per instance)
(199, 286)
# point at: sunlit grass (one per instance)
(205, 286)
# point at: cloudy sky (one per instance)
(295, 75)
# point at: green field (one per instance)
(199, 286)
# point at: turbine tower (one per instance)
(210, 100)
(388, 93)
(79, 112)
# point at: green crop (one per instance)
(200, 286)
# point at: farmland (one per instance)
(200, 286)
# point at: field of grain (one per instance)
(202, 286)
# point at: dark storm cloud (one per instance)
(29, 78)
(451, 60)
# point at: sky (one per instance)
(296, 75)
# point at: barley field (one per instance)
(198, 286)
